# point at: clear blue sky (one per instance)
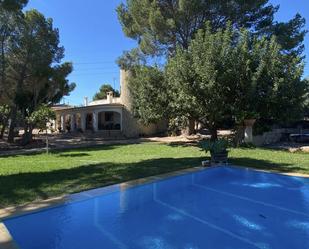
(93, 39)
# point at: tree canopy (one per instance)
(13, 5)
(221, 76)
(32, 74)
(149, 94)
(104, 89)
(241, 64)
(160, 26)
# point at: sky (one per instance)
(93, 39)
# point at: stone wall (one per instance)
(269, 137)
(275, 136)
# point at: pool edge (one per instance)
(270, 171)
(6, 240)
(36, 206)
(13, 211)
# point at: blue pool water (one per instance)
(218, 208)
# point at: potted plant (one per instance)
(218, 149)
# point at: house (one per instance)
(105, 117)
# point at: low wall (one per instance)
(275, 136)
(269, 137)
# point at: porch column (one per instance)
(95, 121)
(83, 121)
(72, 122)
(56, 122)
(62, 121)
(121, 122)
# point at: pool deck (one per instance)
(7, 242)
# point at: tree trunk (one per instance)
(27, 137)
(191, 126)
(11, 134)
(214, 134)
(3, 129)
(239, 135)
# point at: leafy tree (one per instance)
(198, 78)
(104, 89)
(220, 76)
(9, 27)
(40, 117)
(160, 26)
(290, 35)
(35, 76)
(149, 94)
(4, 118)
(13, 5)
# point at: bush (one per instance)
(216, 146)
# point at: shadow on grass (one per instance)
(59, 151)
(27, 187)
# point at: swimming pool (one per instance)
(217, 208)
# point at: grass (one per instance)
(27, 178)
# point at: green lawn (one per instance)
(30, 177)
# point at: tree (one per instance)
(198, 78)
(9, 27)
(243, 77)
(149, 94)
(13, 5)
(41, 117)
(104, 89)
(160, 26)
(34, 75)
(4, 118)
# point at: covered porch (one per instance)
(90, 118)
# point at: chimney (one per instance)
(110, 96)
(86, 101)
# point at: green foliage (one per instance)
(41, 117)
(4, 113)
(13, 5)
(199, 80)
(32, 75)
(241, 65)
(149, 94)
(131, 58)
(160, 26)
(229, 73)
(4, 118)
(216, 146)
(104, 89)
(290, 35)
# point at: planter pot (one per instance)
(219, 157)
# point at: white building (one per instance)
(107, 117)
